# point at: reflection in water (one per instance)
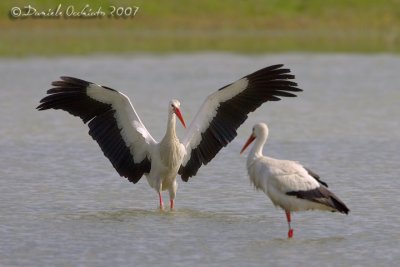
(132, 214)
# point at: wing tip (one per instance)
(70, 81)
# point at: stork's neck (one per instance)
(170, 149)
(257, 149)
(171, 128)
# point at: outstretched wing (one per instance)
(224, 111)
(112, 120)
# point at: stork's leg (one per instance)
(161, 201)
(159, 190)
(288, 218)
(172, 193)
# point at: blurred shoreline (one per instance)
(248, 27)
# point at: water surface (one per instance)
(62, 203)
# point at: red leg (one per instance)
(288, 218)
(290, 233)
(161, 201)
(171, 203)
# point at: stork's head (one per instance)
(260, 130)
(174, 106)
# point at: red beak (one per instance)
(179, 115)
(251, 139)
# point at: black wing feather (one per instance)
(315, 176)
(268, 84)
(323, 196)
(70, 94)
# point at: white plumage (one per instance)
(287, 183)
(125, 141)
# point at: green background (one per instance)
(255, 26)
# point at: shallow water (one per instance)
(62, 203)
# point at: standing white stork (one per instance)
(125, 141)
(287, 183)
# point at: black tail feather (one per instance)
(339, 205)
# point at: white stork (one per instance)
(125, 141)
(287, 183)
